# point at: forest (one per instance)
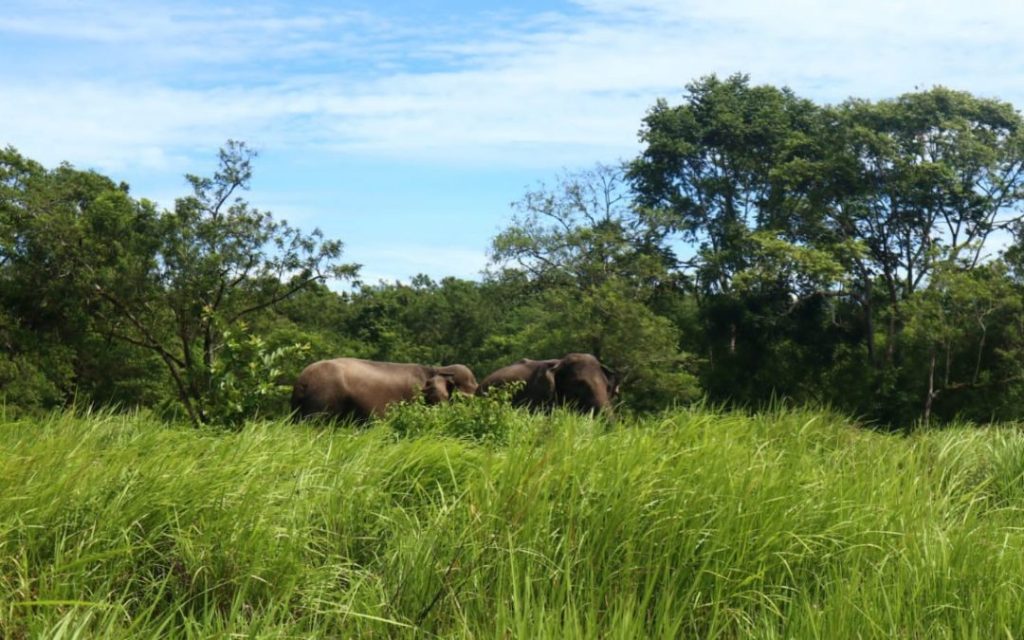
(761, 248)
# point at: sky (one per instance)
(406, 129)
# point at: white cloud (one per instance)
(182, 31)
(560, 90)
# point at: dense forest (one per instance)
(866, 255)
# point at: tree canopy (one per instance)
(760, 246)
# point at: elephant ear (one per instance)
(449, 381)
(613, 381)
(438, 387)
(542, 385)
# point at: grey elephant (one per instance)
(577, 380)
(351, 388)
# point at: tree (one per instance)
(716, 168)
(584, 231)
(957, 325)
(727, 174)
(915, 181)
(836, 213)
(218, 262)
(61, 231)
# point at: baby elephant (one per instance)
(358, 389)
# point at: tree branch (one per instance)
(278, 298)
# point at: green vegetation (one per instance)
(866, 255)
(475, 520)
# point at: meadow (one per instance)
(478, 521)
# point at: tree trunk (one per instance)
(869, 323)
(931, 390)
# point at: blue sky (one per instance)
(405, 129)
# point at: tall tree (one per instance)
(583, 230)
(723, 178)
(62, 232)
(711, 171)
(917, 180)
(788, 205)
(218, 262)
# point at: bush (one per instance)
(489, 419)
(246, 378)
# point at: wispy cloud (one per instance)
(147, 92)
(549, 89)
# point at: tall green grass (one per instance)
(480, 521)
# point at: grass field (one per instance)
(479, 521)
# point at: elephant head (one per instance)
(465, 381)
(439, 387)
(577, 380)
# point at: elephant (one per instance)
(577, 380)
(358, 389)
(465, 381)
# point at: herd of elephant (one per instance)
(355, 389)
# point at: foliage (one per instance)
(838, 214)
(63, 232)
(98, 262)
(641, 346)
(865, 255)
(955, 324)
(595, 264)
(245, 377)
(34, 374)
(582, 232)
(920, 179)
(799, 270)
(711, 170)
(219, 261)
(480, 419)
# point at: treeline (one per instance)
(865, 255)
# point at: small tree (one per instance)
(583, 231)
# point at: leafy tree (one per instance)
(956, 327)
(813, 228)
(583, 231)
(714, 169)
(218, 262)
(918, 180)
(729, 173)
(63, 232)
(34, 372)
